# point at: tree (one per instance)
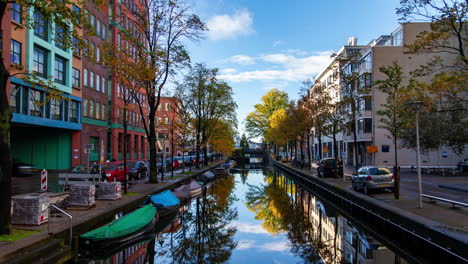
(55, 12)
(244, 143)
(222, 138)
(151, 43)
(444, 96)
(256, 122)
(209, 101)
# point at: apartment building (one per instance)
(95, 86)
(46, 122)
(166, 120)
(375, 147)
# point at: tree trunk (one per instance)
(309, 147)
(152, 146)
(355, 144)
(320, 147)
(5, 158)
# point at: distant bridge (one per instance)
(254, 155)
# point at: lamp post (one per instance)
(417, 105)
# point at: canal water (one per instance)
(258, 216)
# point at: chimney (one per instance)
(352, 41)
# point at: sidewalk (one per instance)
(448, 219)
(86, 220)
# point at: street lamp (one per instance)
(417, 106)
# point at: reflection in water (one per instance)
(205, 236)
(258, 216)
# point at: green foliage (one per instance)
(257, 122)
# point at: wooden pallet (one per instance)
(80, 207)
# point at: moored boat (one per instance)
(125, 231)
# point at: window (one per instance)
(91, 79)
(159, 121)
(103, 84)
(85, 107)
(35, 103)
(77, 14)
(98, 27)
(397, 39)
(98, 54)
(91, 109)
(98, 82)
(73, 117)
(60, 70)
(56, 109)
(76, 47)
(40, 26)
(98, 110)
(40, 61)
(168, 106)
(76, 78)
(15, 98)
(103, 31)
(85, 77)
(367, 125)
(92, 22)
(167, 121)
(15, 52)
(60, 37)
(103, 111)
(16, 13)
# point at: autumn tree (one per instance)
(222, 138)
(256, 122)
(209, 101)
(440, 84)
(151, 41)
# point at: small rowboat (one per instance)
(123, 232)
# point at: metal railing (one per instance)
(65, 213)
(445, 200)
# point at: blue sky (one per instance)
(259, 45)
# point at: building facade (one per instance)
(375, 147)
(46, 121)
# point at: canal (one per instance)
(258, 216)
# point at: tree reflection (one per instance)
(206, 236)
(283, 209)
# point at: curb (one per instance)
(457, 189)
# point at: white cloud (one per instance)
(249, 228)
(242, 59)
(245, 244)
(230, 26)
(279, 246)
(288, 67)
(228, 71)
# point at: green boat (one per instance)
(120, 233)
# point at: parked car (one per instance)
(327, 167)
(115, 170)
(463, 165)
(137, 169)
(21, 169)
(370, 178)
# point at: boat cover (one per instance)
(163, 199)
(183, 192)
(125, 225)
(194, 186)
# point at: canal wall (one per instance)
(411, 235)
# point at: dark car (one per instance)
(463, 165)
(329, 167)
(137, 169)
(21, 169)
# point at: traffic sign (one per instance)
(44, 180)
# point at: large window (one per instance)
(40, 61)
(36, 103)
(15, 52)
(41, 27)
(76, 47)
(367, 125)
(56, 109)
(85, 77)
(60, 37)
(77, 13)
(76, 78)
(60, 70)
(91, 79)
(73, 112)
(85, 107)
(15, 98)
(103, 112)
(16, 13)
